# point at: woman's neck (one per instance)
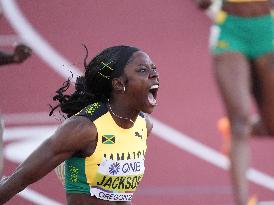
(122, 113)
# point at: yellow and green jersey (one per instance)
(116, 167)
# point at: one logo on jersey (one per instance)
(108, 139)
(114, 168)
(137, 134)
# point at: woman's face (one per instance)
(142, 82)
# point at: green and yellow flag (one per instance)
(108, 139)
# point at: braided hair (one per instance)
(96, 84)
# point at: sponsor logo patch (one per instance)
(137, 134)
(114, 168)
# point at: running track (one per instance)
(183, 164)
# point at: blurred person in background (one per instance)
(19, 55)
(243, 61)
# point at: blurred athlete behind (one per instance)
(243, 60)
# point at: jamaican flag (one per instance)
(108, 139)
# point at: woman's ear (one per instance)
(118, 85)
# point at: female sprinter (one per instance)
(103, 139)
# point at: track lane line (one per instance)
(31, 37)
(206, 153)
(37, 198)
(164, 132)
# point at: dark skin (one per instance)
(235, 67)
(20, 54)
(79, 135)
(137, 82)
(244, 9)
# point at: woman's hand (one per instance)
(203, 4)
(21, 53)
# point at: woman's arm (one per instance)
(75, 135)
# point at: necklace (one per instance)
(123, 118)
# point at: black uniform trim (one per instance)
(93, 111)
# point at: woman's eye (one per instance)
(142, 70)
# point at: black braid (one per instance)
(96, 84)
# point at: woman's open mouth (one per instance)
(152, 94)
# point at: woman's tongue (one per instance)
(152, 101)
